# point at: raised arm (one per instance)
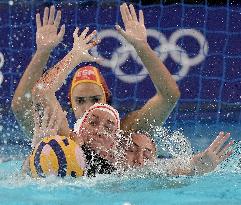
(46, 125)
(55, 77)
(158, 108)
(44, 90)
(47, 38)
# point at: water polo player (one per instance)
(95, 132)
(98, 129)
(87, 88)
(154, 112)
(141, 150)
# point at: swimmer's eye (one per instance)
(95, 99)
(80, 100)
(93, 123)
(147, 154)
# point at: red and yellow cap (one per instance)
(90, 74)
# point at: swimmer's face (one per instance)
(141, 150)
(99, 131)
(84, 96)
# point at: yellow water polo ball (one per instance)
(57, 155)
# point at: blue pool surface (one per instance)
(220, 187)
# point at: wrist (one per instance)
(43, 52)
(193, 167)
(75, 59)
(140, 46)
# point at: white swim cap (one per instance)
(97, 106)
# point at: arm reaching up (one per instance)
(158, 108)
(55, 77)
(44, 90)
(47, 38)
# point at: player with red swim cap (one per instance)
(89, 75)
(39, 90)
(84, 95)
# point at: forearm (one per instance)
(161, 77)
(22, 99)
(33, 72)
(49, 121)
(52, 80)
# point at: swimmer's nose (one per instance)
(139, 161)
(86, 106)
(101, 131)
(100, 134)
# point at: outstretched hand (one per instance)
(82, 44)
(135, 31)
(47, 36)
(217, 152)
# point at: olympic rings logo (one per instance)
(1, 65)
(166, 47)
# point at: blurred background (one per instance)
(198, 41)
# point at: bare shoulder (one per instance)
(154, 112)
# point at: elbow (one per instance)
(38, 90)
(174, 96)
(16, 103)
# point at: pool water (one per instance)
(223, 186)
(220, 187)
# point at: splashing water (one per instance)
(147, 185)
(140, 186)
(170, 143)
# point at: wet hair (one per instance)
(95, 164)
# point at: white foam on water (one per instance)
(172, 143)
